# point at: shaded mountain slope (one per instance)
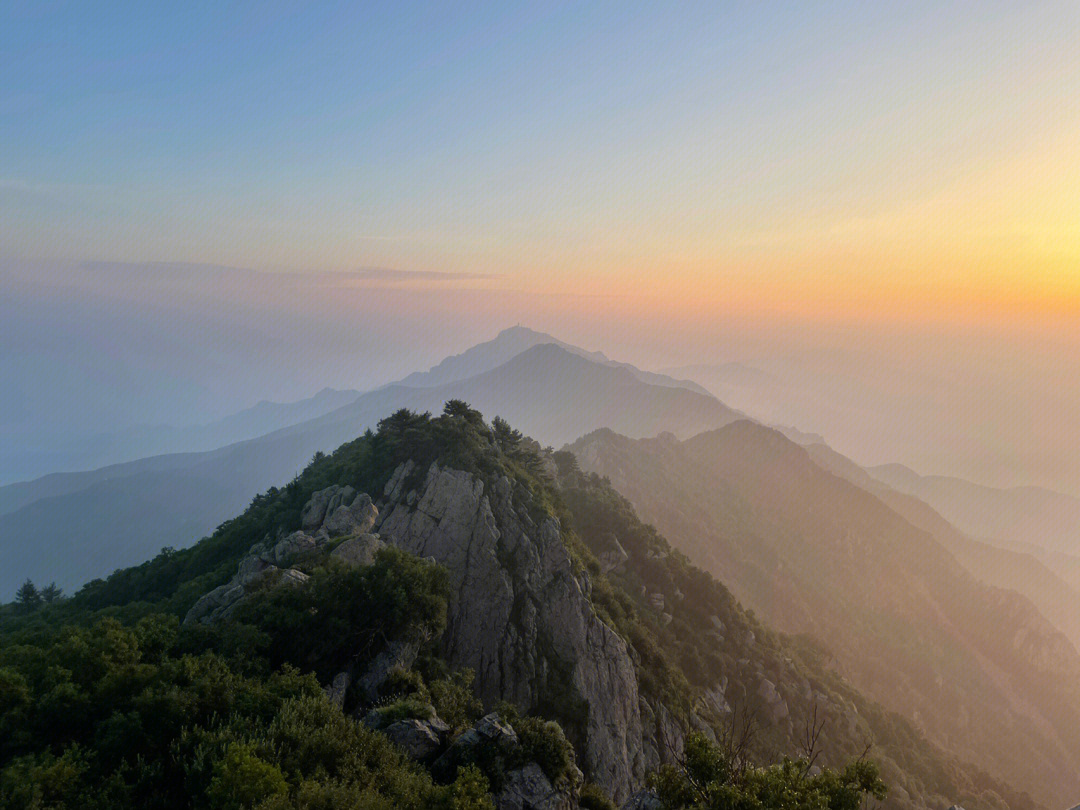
(1014, 569)
(977, 667)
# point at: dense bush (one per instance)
(153, 715)
(345, 613)
(710, 779)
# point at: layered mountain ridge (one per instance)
(978, 668)
(132, 510)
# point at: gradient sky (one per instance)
(683, 184)
(910, 158)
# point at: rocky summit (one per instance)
(449, 615)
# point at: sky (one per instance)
(671, 184)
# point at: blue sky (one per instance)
(461, 136)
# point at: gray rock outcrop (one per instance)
(643, 800)
(397, 655)
(359, 550)
(529, 788)
(778, 708)
(419, 739)
(222, 602)
(520, 616)
(331, 512)
(337, 688)
(613, 556)
(488, 729)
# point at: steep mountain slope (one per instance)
(553, 394)
(1027, 515)
(1015, 570)
(555, 596)
(978, 668)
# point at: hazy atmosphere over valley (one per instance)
(540, 406)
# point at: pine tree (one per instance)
(50, 593)
(27, 597)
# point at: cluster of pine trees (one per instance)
(29, 598)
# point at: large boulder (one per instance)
(338, 511)
(528, 788)
(612, 557)
(359, 550)
(354, 517)
(314, 511)
(292, 546)
(489, 730)
(778, 708)
(419, 739)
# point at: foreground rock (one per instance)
(420, 739)
(529, 788)
(520, 617)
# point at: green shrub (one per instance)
(593, 798)
(470, 790)
(403, 709)
(541, 741)
(242, 780)
(454, 700)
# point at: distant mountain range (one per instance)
(1026, 516)
(513, 341)
(1046, 584)
(91, 452)
(127, 512)
(979, 668)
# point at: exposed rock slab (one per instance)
(529, 788)
(359, 550)
(520, 617)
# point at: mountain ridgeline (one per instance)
(441, 614)
(129, 511)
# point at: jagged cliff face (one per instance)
(520, 616)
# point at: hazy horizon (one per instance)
(186, 345)
(876, 205)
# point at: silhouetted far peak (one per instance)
(488, 355)
(514, 341)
